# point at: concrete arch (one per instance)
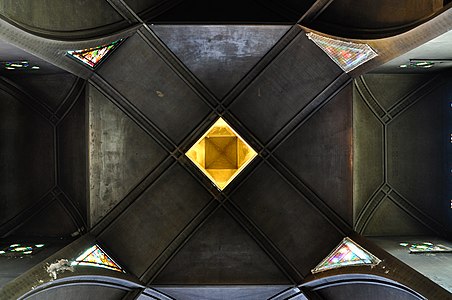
(83, 287)
(370, 286)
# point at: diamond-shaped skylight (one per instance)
(346, 55)
(221, 154)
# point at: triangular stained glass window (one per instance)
(96, 257)
(347, 253)
(93, 56)
(346, 55)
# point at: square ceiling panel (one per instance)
(221, 154)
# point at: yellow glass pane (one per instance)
(221, 154)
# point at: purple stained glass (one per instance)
(347, 253)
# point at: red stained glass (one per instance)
(346, 55)
(96, 257)
(93, 56)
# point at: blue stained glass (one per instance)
(347, 253)
(15, 250)
(426, 247)
(96, 257)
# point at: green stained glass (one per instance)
(347, 253)
(346, 55)
(96, 257)
(20, 65)
(426, 247)
(15, 250)
(22, 249)
(93, 56)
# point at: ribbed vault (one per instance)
(101, 152)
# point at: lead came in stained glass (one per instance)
(96, 257)
(346, 55)
(93, 56)
(347, 253)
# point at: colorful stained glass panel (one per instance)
(96, 257)
(16, 250)
(426, 247)
(346, 55)
(347, 253)
(21, 65)
(93, 56)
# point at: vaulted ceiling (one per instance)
(98, 155)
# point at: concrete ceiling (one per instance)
(437, 50)
(370, 19)
(102, 154)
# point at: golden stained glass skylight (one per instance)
(221, 154)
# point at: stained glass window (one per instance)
(426, 247)
(15, 250)
(19, 65)
(416, 63)
(347, 253)
(93, 56)
(346, 55)
(96, 257)
(221, 154)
